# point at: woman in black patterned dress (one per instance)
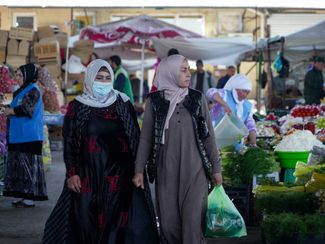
(100, 134)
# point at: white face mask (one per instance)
(101, 89)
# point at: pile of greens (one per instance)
(280, 228)
(289, 202)
(238, 169)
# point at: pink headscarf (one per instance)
(167, 79)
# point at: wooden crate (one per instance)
(47, 50)
(21, 33)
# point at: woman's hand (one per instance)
(74, 183)
(217, 179)
(8, 111)
(227, 109)
(138, 180)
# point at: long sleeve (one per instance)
(69, 139)
(146, 139)
(210, 143)
(26, 109)
(212, 91)
(250, 123)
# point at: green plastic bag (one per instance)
(222, 218)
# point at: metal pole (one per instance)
(259, 82)
(67, 56)
(142, 72)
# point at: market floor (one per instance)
(25, 226)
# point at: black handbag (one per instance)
(140, 228)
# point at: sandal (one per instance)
(21, 204)
(14, 203)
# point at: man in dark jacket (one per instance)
(121, 81)
(231, 70)
(314, 89)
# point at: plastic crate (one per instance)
(20, 33)
(242, 199)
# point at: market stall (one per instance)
(287, 165)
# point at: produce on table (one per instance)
(316, 156)
(305, 111)
(299, 141)
(263, 130)
(321, 135)
(239, 169)
(320, 124)
(5, 80)
(271, 116)
(289, 202)
(50, 88)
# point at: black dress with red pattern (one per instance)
(105, 167)
(99, 147)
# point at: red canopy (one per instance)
(134, 30)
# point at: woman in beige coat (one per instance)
(177, 141)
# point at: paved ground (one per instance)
(25, 226)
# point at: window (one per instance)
(81, 20)
(229, 23)
(25, 20)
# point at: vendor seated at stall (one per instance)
(232, 99)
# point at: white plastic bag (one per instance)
(229, 131)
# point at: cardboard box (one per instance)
(53, 67)
(84, 55)
(23, 49)
(21, 33)
(47, 49)
(62, 38)
(12, 47)
(15, 61)
(2, 54)
(83, 44)
(44, 32)
(76, 77)
(3, 38)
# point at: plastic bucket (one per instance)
(229, 131)
(288, 160)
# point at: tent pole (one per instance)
(69, 23)
(259, 82)
(142, 72)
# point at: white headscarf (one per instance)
(167, 78)
(88, 96)
(238, 81)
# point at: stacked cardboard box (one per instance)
(48, 54)
(18, 46)
(83, 49)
